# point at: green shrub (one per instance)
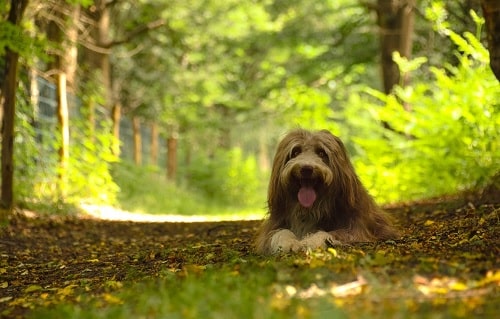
(449, 141)
(229, 178)
(145, 189)
(90, 162)
(36, 164)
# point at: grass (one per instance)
(145, 190)
(287, 287)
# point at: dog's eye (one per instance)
(321, 153)
(295, 152)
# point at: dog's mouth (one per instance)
(306, 196)
(308, 184)
(307, 192)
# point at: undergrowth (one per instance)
(146, 190)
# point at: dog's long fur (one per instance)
(342, 210)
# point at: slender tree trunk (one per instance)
(136, 127)
(491, 11)
(154, 144)
(63, 29)
(34, 91)
(396, 23)
(70, 56)
(16, 12)
(172, 157)
(116, 114)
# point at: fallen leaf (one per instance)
(33, 288)
(112, 299)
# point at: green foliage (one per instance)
(163, 197)
(30, 183)
(253, 69)
(449, 141)
(37, 163)
(159, 197)
(12, 37)
(228, 177)
(23, 40)
(90, 162)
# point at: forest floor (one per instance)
(446, 265)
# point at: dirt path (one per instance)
(43, 260)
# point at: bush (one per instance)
(145, 189)
(229, 178)
(449, 140)
(36, 166)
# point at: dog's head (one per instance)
(311, 169)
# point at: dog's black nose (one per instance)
(306, 171)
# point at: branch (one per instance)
(138, 31)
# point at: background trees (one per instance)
(206, 88)
(10, 50)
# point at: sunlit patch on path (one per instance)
(115, 214)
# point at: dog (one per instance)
(315, 198)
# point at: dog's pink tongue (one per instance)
(306, 196)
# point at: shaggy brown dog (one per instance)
(315, 198)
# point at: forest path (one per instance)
(52, 260)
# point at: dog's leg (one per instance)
(285, 241)
(320, 239)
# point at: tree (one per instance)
(395, 20)
(17, 8)
(491, 11)
(62, 29)
(99, 47)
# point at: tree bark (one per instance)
(396, 23)
(172, 157)
(136, 127)
(16, 12)
(116, 114)
(154, 144)
(491, 11)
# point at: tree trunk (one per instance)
(491, 11)
(70, 56)
(136, 127)
(63, 29)
(396, 22)
(16, 11)
(154, 144)
(96, 52)
(116, 114)
(172, 157)
(63, 124)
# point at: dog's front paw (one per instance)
(320, 239)
(285, 241)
